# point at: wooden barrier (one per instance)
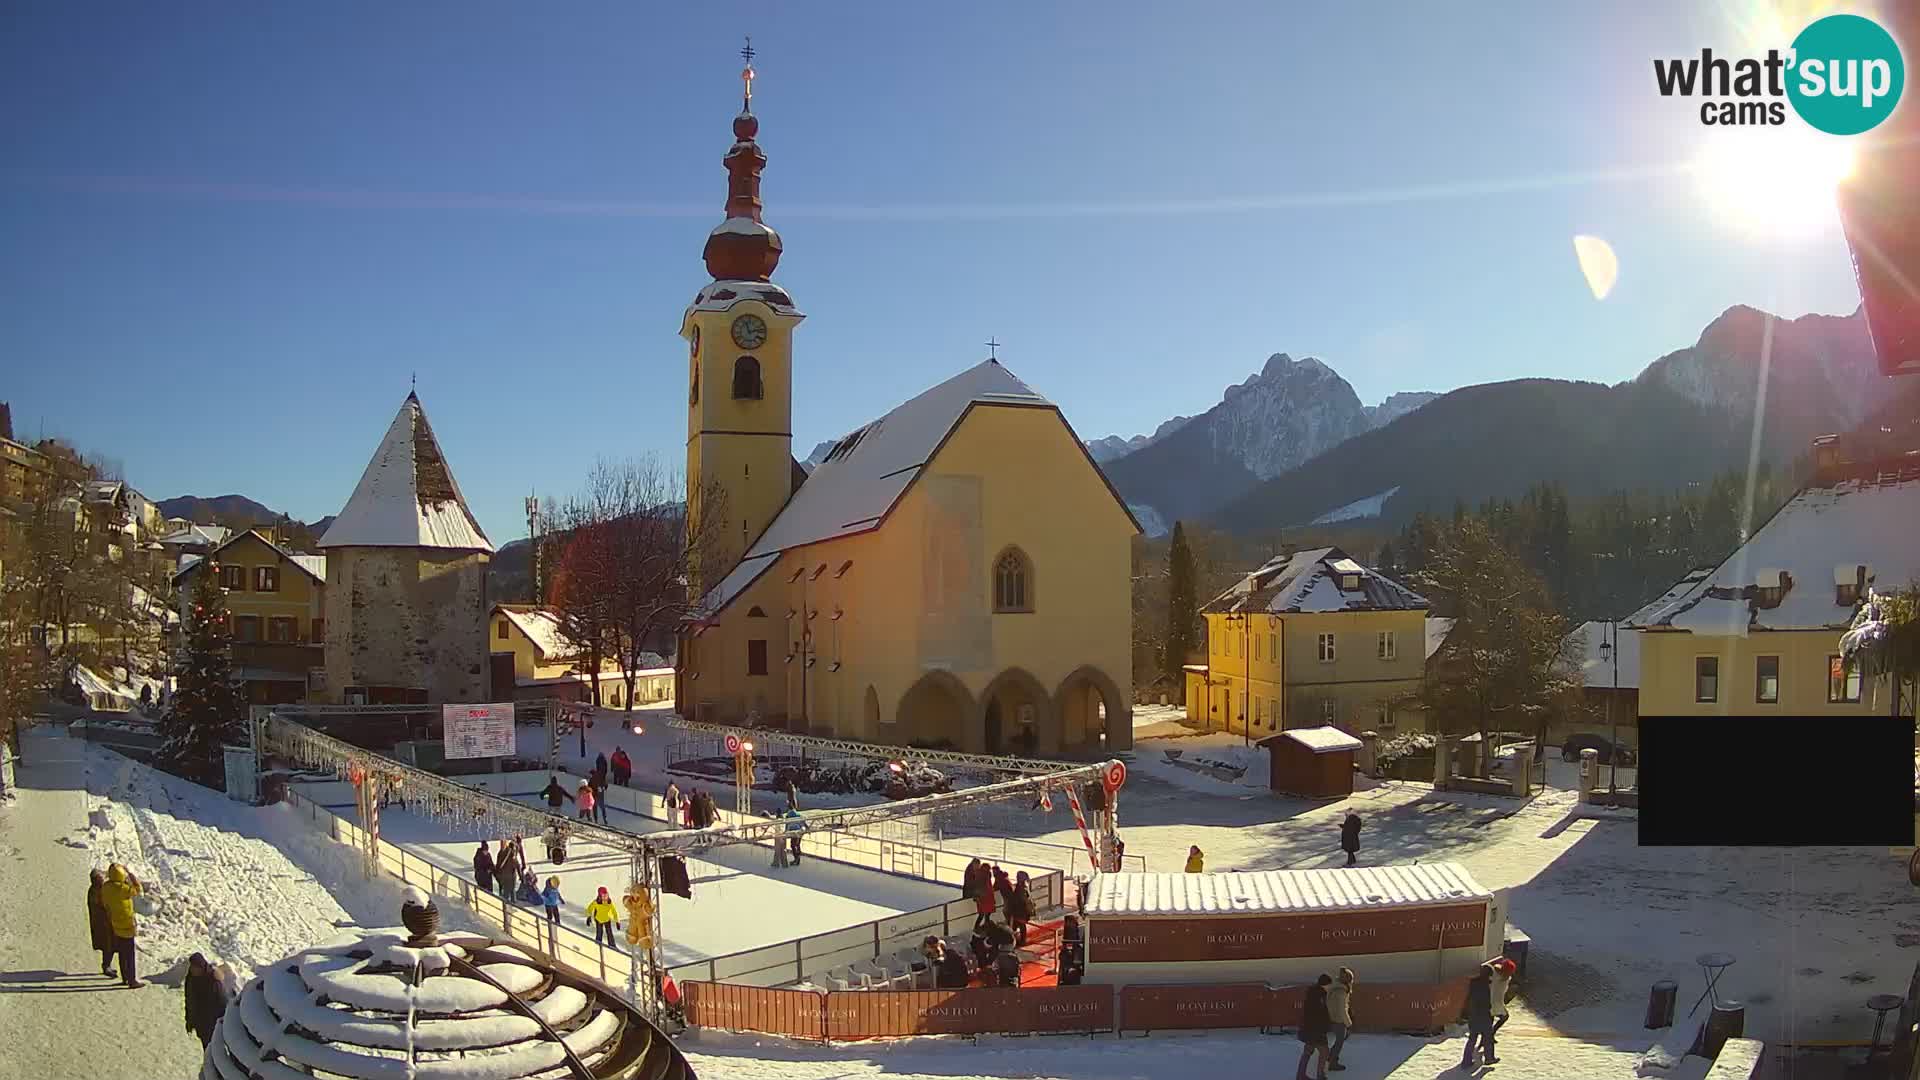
(853, 1015)
(1179, 1007)
(797, 1014)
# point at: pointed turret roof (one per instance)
(407, 497)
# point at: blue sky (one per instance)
(229, 234)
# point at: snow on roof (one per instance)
(315, 565)
(1596, 665)
(744, 573)
(542, 627)
(196, 535)
(651, 665)
(1437, 631)
(312, 564)
(1293, 892)
(1308, 581)
(866, 472)
(1855, 522)
(721, 295)
(407, 497)
(1680, 588)
(1321, 740)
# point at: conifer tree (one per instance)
(1183, 610)
(208, 710)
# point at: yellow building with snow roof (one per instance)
(956, 572)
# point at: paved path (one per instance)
(58, 1016)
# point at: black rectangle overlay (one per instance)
(1776, 781)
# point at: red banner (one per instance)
(1171, 1008)
(1189, 939)
(852, 1015)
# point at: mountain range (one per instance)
(1292, 445)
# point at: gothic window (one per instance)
(1013, 581)
(746, 379)
(693, 382)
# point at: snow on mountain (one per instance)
(1151, 523)
(1397, 406)
(1114, 446)
(820, 453)
(1291, 411)
(1368, 507)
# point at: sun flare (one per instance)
(1774, 181)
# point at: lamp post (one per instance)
(1611, 649)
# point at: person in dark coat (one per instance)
(970, 881)
(600, 797)
(206, 998)
(1350, 837)
(1020, 908)
(983, 901)
(1003, 885)
(506, 871)
(1314, 1026)
(600, 770)
(554, 793)
(1479, 1019)
(622, 766)
(1006, 969)
(99, 927)
(1073, 952)
(483, 867)
(951, 972)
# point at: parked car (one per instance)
(1570, 751)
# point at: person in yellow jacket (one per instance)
(1196, 862)
(117, 897)
(603, 917)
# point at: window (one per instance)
(1766, 680)
(756, 612)
(746, 379)
(1326, 648)
(844, 567)
(1259, 712)
(693, 385)
(319, 631)
(1770, 595)
(499, 630)
(1843, 686)
(234, 578)
(757, 656)
(246, 628)
(1384, 645)
(1349, 582)
(266, 579)
(1706, 679)
(1256, 648)
(1846, 595)
(1329, 710)
(282, 629)
(1273, 646)
(1226, 645)
(1012, 582)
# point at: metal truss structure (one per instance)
(772, 736)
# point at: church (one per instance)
(955, 574)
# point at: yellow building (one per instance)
(529, 647)
(1308, 640)
(277, 602)
(1760, 635)
(955, 572)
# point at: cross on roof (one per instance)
(993, 349)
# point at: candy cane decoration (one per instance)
(1080, 819)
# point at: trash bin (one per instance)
(1660, 1004)
(1727, 1021)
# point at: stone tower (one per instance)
(407, 579)
(739, 332)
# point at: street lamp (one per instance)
(1611, 648)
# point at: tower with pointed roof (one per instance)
(406, 606)
(739, 333)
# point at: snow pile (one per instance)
(1217, 763)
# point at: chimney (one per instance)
(1829, 460)
(6, 421)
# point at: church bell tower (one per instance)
(739, 333)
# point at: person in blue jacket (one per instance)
(551, 898)
(529, 888)
(795, 826)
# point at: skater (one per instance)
(779, 847)
(206, 999)
(599, 787)
(556, 845)
(554, 793)
(983, 901)
(483, 867)
(622, 767)
(100, 931)
(550, 898)
(1479, 1019)
(970, 880)
(1020, 908)
(529, 887)
(602, 916)
(1003, 888)
(1500, 977)
(584, 800)
(1313, 1030)
(1340, 1014)
(506, 870)
(673, 798)
(117, 897)
(1350, 838)
(686, 810)
(1196, 860)
(793, 793)
(795, 826)
(600, 771)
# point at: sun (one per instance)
(1773, 181)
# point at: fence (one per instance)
(842, 1016)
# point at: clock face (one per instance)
(749, 332)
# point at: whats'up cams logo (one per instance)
(1843, 75)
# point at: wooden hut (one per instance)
(1315, 762)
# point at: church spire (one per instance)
(743, 248)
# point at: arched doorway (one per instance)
(934, 711)
(1091, 706)
(1016, 716)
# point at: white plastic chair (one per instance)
(869, 973)
(840, 979)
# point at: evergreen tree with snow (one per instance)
(1183, 610)
(209, 709)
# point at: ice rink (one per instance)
(739, 900)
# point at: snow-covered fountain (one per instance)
(413, 1004)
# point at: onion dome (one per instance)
(416, 1005)
(743, 248)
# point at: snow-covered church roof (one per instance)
(407, 497)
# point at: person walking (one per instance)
(687, 810)
(793, 793)
(1350, 838)
(206, 998)
(795, 826)
(1314, 1024)
(584, 800)
(1196, 860)
(483, 867)
(603, 917)
(550, 899)
(600, 770)
(116, 896)
(1073, 951)
(1020, 908)
(1500, 976)
(1339, 1014)
(1479, 1019)
(983, 900)
(779, 847)
(673, 798)
(554, 793)
(506, 870)
(970, 880)
(99, 929)
(599, 788)
(622, 766)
